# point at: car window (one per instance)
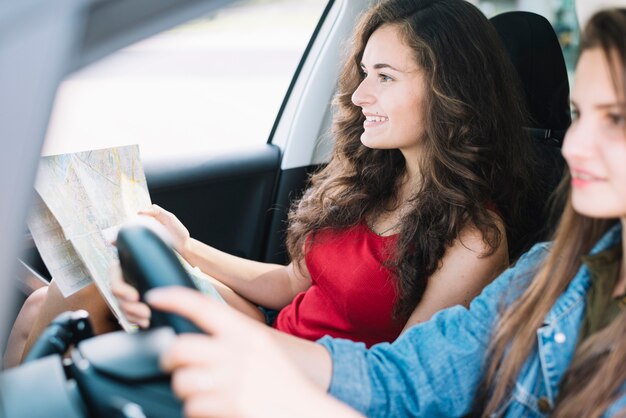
(561, 13)
(213, 84)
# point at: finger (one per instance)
(192, 381)
(147, 212)
(160, 215)
(124, 291)
(152, 211)
(115, 272)
(206, 406)
(189, 350)
(140, 322)
(210, 315)
(120, 289)
(136, 309)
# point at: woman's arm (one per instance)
(431, 370)
(463, 274)
(270, 285)
(434, 368)
(241, 369)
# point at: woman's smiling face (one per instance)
(595, 144)
(391, 94)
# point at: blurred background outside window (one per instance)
(210, 85)
(216, 83)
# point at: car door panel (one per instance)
(223, 200)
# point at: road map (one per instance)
(84, 195)
(82, 201)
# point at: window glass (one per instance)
(209, 85)
(561, 13)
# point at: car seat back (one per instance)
(535, 52)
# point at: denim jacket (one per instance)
(434, 368)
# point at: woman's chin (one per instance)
(598, 211)
(373, 143)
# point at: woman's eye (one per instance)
(385, 78)
(617, 119)
(575, 114)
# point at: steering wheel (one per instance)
(112, 375)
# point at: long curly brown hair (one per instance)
(475, 151)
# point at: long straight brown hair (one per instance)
(598, 369)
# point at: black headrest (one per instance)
(535, 52)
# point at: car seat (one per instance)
(534, 49)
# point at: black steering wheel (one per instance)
(69, 373)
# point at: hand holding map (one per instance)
(83, 199)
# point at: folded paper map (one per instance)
(82, 198)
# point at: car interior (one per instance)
(236, 201)
(536, 54)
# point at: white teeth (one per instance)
(583, 176)
(375, 118)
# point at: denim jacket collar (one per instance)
(580, 284)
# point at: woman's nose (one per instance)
(362, 95)
(579, 141)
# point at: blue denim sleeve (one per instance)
(434, 368)
(618, 408)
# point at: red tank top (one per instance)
(352, 294)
